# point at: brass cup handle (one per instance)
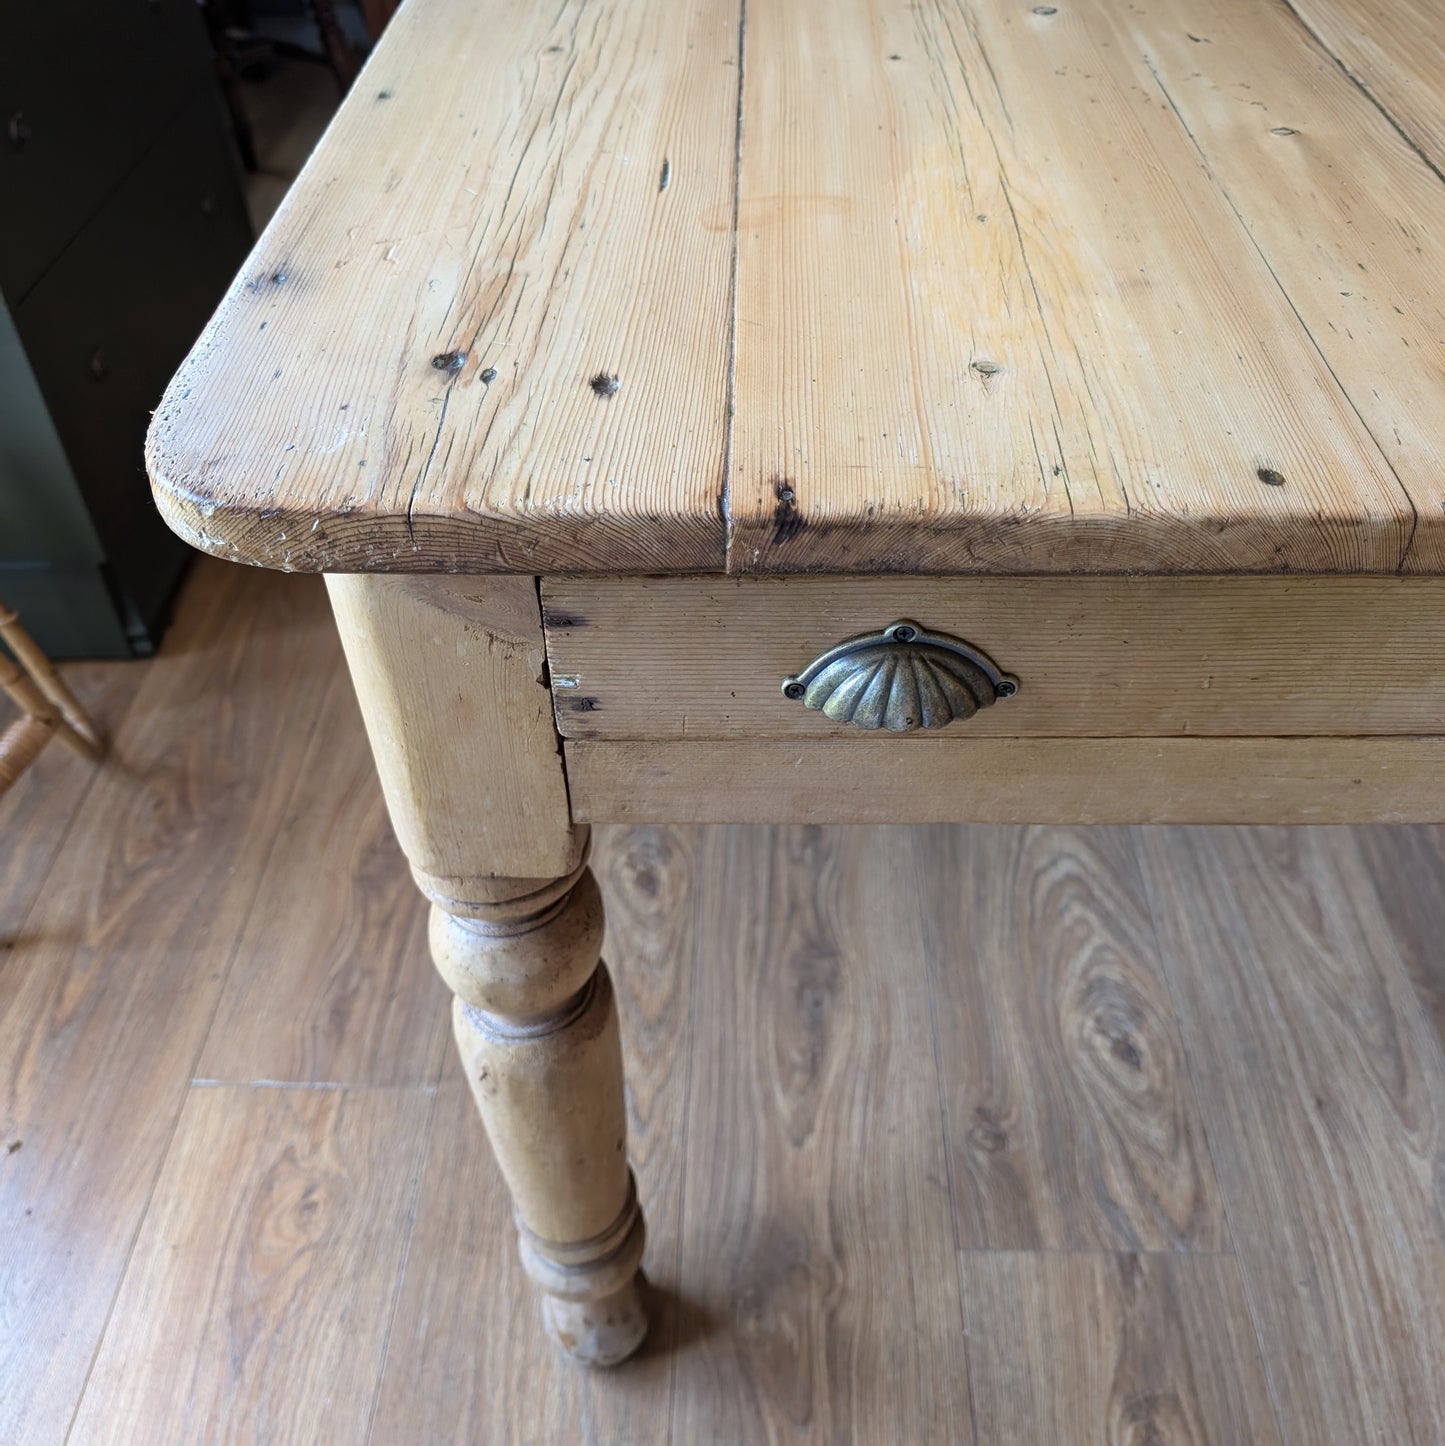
(902, 679)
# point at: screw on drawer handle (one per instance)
(901, 679)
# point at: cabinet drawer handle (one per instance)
(901, 679)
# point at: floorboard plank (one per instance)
(106, 994)
(1071, 1120)
(1407, 869)
(255, 1306)
(1114, 1350)
(651, 885)
(332, 980)
(817, 1243)
(1322, 1093)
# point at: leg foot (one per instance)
(598, 1332)
(592, 1301)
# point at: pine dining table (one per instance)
(836, 410)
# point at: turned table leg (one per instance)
(449, 675)
(537, 1029)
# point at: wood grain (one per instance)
(1407, 869)
(401, 378)
(1322, 1085)
(1071, 1121)
(332, 980)
(1088, 1350)
(654, 658)
(818, 1234)
(450, 674)
(106, 997)
(1335, 199)
(1012, 780)
(467, 1359)
(1015, 289)
(994, 315)
(1391, 50)
(256, 1303)
(652, 883)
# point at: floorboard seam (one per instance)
(679, 1302)
(929, 943)
(204, 1038)
(423, 1156)
(350, 1086)
(1167, 967)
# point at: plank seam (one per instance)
(930, 736)
(420, 1159)
(725, 495)
(345, 1086)
(546, 682)
(1364, 90)
(203, 1039)
(1040, 310)
(1248, 231)
(686, 1116)
(948, 1162)
(1166, 959)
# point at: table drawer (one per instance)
(699, 658)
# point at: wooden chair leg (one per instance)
(48, 708)
(448, 672)
(20, 744)
(78, 730)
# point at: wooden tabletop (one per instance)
(845, 285)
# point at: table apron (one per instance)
(1011, 780)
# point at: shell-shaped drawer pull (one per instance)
(902, 679)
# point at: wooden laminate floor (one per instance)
(987, 1135)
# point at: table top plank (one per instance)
(515, 200)
(1350, 222)
(1394, 50)
(1005, 319)
(999, 287)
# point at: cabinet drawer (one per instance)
(700, 658)
(85, 89)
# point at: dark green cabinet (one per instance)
(122, 220)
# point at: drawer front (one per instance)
(706, 658)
